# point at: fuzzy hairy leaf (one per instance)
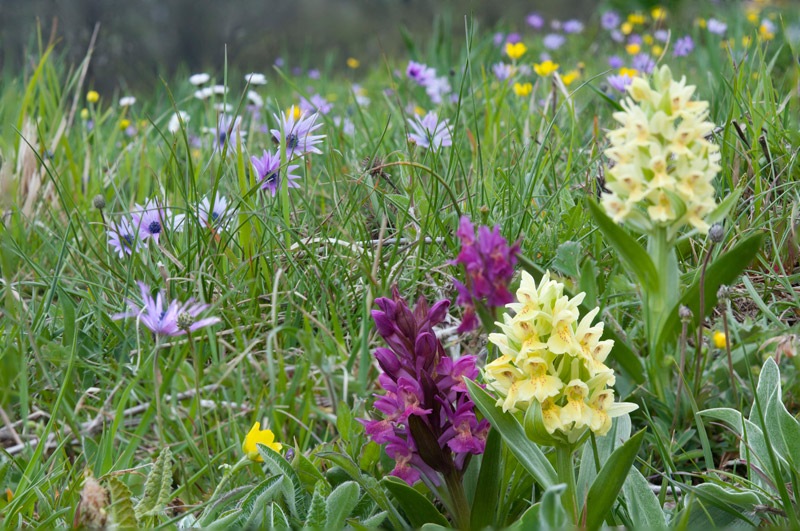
(121, 512)
(278, 465)
(157, 487)
(340, 503)
(315, 519)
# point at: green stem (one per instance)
(460, 506)
(656, 303)
(565, 469)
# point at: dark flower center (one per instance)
(161, 317)
(272, 177)
(214, 216)
(292, 141)
(223, 136)
(128, 238)
(154, 227)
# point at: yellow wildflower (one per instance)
(701, 22)
(545, 68)
(124, 123)
(648, 39)
(626, 28)
(294, 112)
(766, 32)
(522, 89)
(658, 13)
(746, 41)
(259, 436)
(419, 111)
(630, 72)
(636, 18)
(720, 341)
(657, 50)
(570, 77)
(353, 63)
(633, 48)
(84, 114)
(753, 15)
(515, 51)
(92, 96)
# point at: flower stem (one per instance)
(460, 507)
(566, 474)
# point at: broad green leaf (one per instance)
(603, 492)
(488, 491)
(344, 421)
(724, 270)
(276, 464)
(315, 519)
(418, 509)
(619, 433)
(370, 486)
(720, 507)
(340, 503)
(630, 252)
(527, 453)
(276, 519)
(121, 511)
(552, 516)
(257, 499)
(568, 258)
(157, 487)
(642, 503)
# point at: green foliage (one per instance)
(157, 487)
(122, 513)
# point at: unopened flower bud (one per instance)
(185, 321)
(723, 293)
(99, 202)
(716, 233)
(685, 314)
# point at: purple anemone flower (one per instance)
(228, 133)
(683, 46)
(535, 21)
(163, 320)
(429, 132)
(420, 73)
(489, 264)
(661, 35)
(428, 420)
(620, 82)
(437, 88)
(503, 71)
(498, 39)
(554, 41)
(316, 104)
(513, 38)
(149, 219)
(122, 237)
(716, 27)
(610, 20)
(215, 216)
(643, 63)
(296, 136)
(615, 61)
(572, 26)
(268, 170)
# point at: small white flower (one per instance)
(223, 107)
(204, 93)
(254, 98)
(219, 89)
(127, 101)
(199, 79)
(255, 78)
(175, 120)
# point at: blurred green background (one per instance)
(140, 38)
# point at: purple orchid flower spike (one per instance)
(489, 264)
(428, 421)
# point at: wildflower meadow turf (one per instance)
(205, 283)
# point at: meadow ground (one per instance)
(204, 318)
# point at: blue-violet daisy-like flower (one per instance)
(122, 237)
(268, 170)
(149, 220)
(296, 137)
(163, 320)
(429, 132)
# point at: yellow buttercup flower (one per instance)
(658, 13)
(648, 39)
(701, 22)
(294, 112)
(636, 18)
(657, 50)
(515, 51)
(626, 28)
(630, 72)
(720, 341)
(545, 68)
(84, 114)
(92, 96)
(259, 436)
(552, 360)
(570, 77)
(765, 32)
(633, 48)
(353, 63)
(124, 123)
(522, 89)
